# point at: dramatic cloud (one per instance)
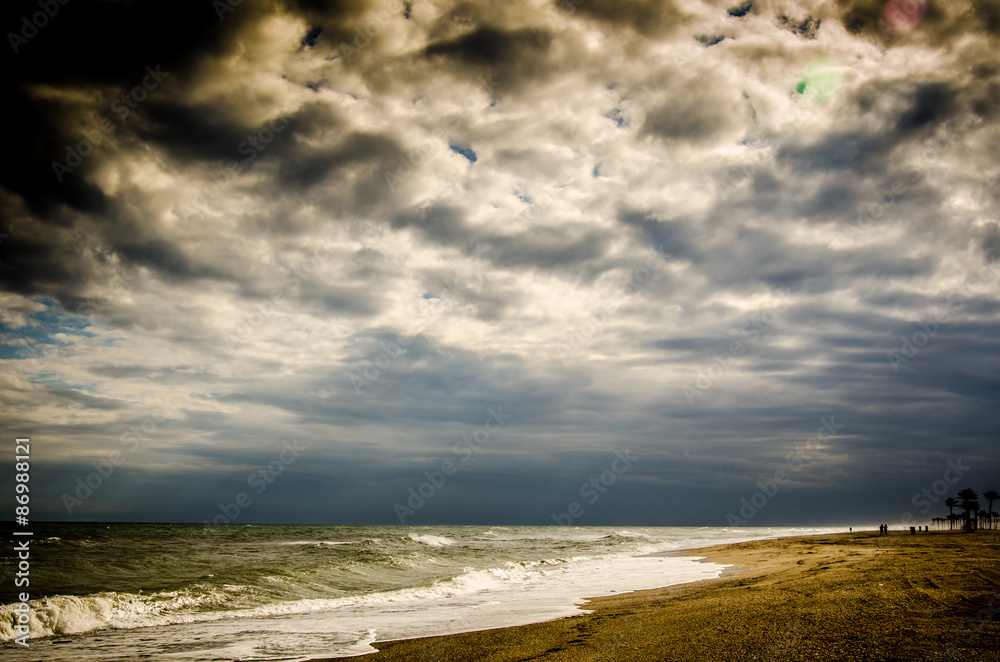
(731, 239)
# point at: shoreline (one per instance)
(848, 596)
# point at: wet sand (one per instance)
(931, 596)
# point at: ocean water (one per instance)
(290, 592)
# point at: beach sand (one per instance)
(930, 596)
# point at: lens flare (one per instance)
(821, 79)
(902, 15)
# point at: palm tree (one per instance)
(952, 503)
(990, 497)
(969, 505)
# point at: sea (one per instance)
(188, 592)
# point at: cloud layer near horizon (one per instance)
(362, 225)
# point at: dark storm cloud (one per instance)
(931, 103)
(312, 166)
(834, 200)
(489, 300)
(860, 15)
(107, 44)
(89, 39)
(559, 248)
(989, 242)
(502, 308)
(165, 258)
(694, 118)
(512, 56)
(460, 383)
(861, 151)
(444, 225)
(40, 140)
(330, 13)
(199, 132)
(491, 47)
(988, 13)
(106, 48)
(670, 237)
(84, 47)
(37, 266)
(353, 300)
(942, 21)
(650, 18)
(90, 402)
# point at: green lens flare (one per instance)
(821, 79)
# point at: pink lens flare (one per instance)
(903, 15)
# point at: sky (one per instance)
(584, 262)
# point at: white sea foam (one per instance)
(272, 614)
(431, 541)
(510, 594)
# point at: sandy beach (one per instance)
(931, 596)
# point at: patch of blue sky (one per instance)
(618, 118)
(50, 380)
(40, 330)
(463, 150)
(57, 320)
